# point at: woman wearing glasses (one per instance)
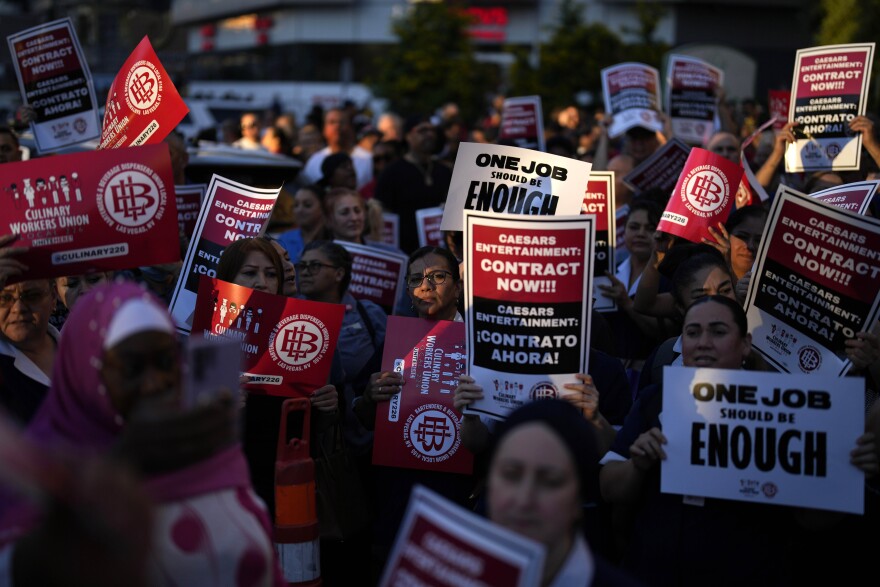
(433, 284)
(27, 346)
(324, 272)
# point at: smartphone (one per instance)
(211, 366)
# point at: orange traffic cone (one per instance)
(297, 538)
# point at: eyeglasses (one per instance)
(435, 278)
(312, 267)
(249, 125)
(28, 298)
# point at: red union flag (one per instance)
(143, 106)
(95, 210)
(287, 344)
(418, 428)
(703, 196)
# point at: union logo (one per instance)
(770, 489)
(809, 359)
(430, 433)
(143, 88)
(131, 198)
(543, 390)
(299, 341)
(705, 190)
(80, 125)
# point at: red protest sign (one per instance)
(599, 201)
(419, 428)
(287, 344)
(143, 106)
(376, 274)
(661, 169)
(97, 210)
(522, 121)
(703, 196)
(189, 204)
(428, 222)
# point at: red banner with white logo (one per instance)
(143, 106)
(100, 211)
(703, 197)
(419, 428)
(287, 344)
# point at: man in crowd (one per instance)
(340, 137)
(416, 181)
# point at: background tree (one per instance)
(570, 61)
(851, 21)
(433, 63)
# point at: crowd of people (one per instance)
(157, 494)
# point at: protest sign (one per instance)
(419, 427)
(189, 204)
(703, 196)
(528, 295)
(391, 229)
(816, 283)
(661, 170)
(441, 544)
(854, 197)
(231, 211)
(287, 344)
(773, 438)
(511, 180)
(691, 92)
(143, 106)
(54, 80)
(599, 201)
(428, 224)
(522, 122)
(830, 88)
(376, 274)
(92, 211)
(779, 102)
(632, 97)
